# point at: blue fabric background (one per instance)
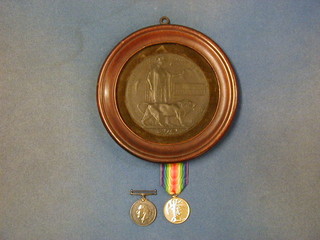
(62, 175)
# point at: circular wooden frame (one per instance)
(176, 151)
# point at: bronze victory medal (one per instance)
(167, 93)
(176, 210)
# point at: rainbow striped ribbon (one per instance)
(174, 177)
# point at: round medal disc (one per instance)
(167, 93)
(176, 210)
(143, 212)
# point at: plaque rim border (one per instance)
(172, 152)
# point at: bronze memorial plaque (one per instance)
(167, 93)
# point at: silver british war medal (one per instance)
(143, 212)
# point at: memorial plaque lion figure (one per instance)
(166, 114)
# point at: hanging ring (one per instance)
(164, 20)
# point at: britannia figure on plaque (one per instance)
(158, 83)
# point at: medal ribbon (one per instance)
(174, 177)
